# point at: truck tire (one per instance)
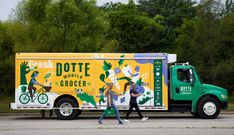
(208, 108)
(79, 112)
(195, 115)
(64, 113)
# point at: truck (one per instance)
(69, 83)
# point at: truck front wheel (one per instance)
(195, 115)
(208, 108)
(65, 109)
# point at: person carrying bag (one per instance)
(110, 105)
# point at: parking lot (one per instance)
(161, 124)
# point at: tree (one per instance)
(174, 12)
(134, 32)
(62, 26)
(225, 68)
(6, 60)
(207, 42)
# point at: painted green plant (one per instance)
(144, 100)
(106, 67)
(87, 98)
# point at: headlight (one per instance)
(223, 96)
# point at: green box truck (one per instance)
(73, 82)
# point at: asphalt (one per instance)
(158, 123)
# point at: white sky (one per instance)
(6, 6)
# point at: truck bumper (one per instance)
(224, 104)
(13, 106)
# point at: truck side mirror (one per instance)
(191, 77)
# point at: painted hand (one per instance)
(24, 68)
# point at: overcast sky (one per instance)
(6, 6)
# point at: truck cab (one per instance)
(187, 92)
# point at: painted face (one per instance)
(36, 75)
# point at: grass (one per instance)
(4, 106)
(231, 107)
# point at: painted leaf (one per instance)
(139, 81)
(121, 61)
(107, 66)
(102, 77)
(107, 74)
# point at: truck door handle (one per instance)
(177, 90)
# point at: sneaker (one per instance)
(99, 122)
(121, 123)
(126, 120)
(145, 118)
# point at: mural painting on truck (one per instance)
(35, 83)
(77, 81)
(84, 76)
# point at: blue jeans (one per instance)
(116, 113)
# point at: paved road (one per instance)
(161, 124)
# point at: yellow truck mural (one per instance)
(71, 82)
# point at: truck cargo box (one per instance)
(84, 75)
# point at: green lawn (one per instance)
(4, 107)
(231, 107)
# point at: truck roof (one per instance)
(170, 57)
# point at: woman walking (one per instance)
(110, 103)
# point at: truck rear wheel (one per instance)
(66, 111)
(208, 108)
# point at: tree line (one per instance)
(200, 33)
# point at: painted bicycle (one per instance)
(40, 95)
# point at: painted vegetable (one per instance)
(126, 70)
(87, 98)
(113, 78)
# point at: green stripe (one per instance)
(157, 82)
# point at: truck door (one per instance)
(184, 86)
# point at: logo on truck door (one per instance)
(186, 90)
